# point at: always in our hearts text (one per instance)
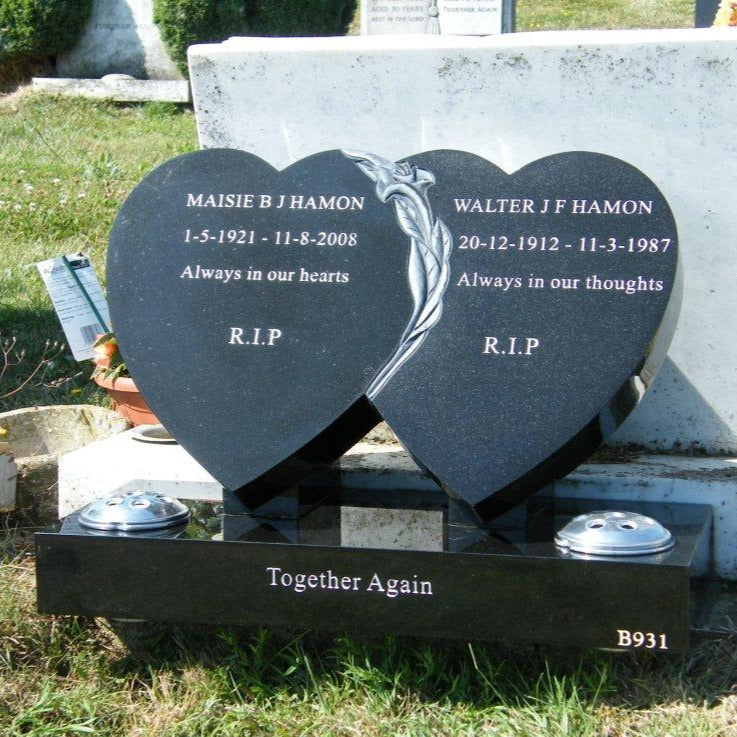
(259, 275)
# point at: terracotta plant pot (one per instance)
(127, 400)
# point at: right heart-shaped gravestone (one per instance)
(537, 331)
(254, 306)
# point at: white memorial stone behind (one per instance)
(405, 16)
(120, 38)
(470, 17)
(664, 101)
(462, 17)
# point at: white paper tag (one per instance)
(398, 16)
(470, 17)
(67, 288)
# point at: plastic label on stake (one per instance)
(78, 300)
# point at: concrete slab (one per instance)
(121, 462)
(117, 89)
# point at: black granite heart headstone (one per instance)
(561, 299)
(502, 324)
(254, 306)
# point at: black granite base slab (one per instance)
(503, 582)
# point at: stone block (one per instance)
(8, 477)
(123, 463)
(120, 37)
(36, 436)
(117, 87)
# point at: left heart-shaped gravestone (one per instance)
(254, 307)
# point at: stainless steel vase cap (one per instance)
(131, 511)
(614, 534)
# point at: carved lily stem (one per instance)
(422, 206)
(429, 254)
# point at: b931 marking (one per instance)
(642, 640)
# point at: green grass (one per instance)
(66, 167)
(71, 676)
(533, 15)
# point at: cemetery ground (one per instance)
(66, 167)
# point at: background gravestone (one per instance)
(461, 17)
(406, 16)
(470, 17)
(120, 38)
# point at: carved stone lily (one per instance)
(406, 186)
(414, 177)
